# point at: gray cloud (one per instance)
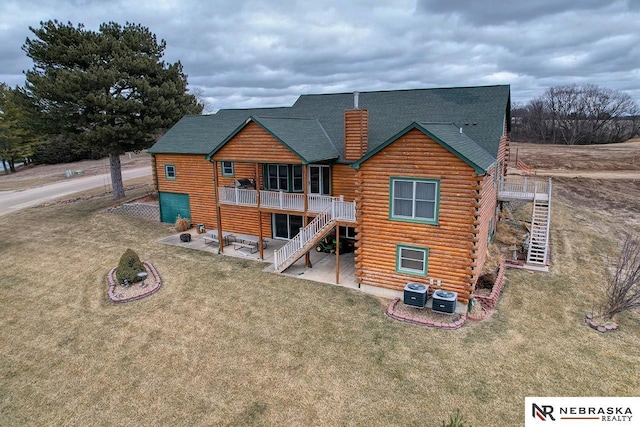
(490, 12)
(253, 53)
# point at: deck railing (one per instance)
(337, 210)
(344, 211)
(318, 203)
(282, 200)
(238, 196)
(298, 242)
(523, 187)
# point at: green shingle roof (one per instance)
(200, 134)
(480, 111)
(315, 146)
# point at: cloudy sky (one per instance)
(256, 53)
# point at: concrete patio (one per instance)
(323, 264)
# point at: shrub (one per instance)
(129, 267)
(623, 284)
(182, 224)
(455, 420)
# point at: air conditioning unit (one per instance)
(444, 301)
(415, 294)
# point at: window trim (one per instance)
(166, 171)
(400, 269)
(222, 167)
(349, 235)
(297, 188)
(392, 217)
(291, 177)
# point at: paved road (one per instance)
(11, 201)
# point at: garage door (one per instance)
(172, 205)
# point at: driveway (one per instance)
(11, 201)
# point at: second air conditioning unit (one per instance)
(444, 301)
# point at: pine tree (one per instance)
(16, 138)
(109, 89)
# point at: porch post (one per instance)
(337, 254)
(260, 244)
(218, 214)
(305, 218)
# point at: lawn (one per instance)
(224, 343)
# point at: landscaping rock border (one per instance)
(490, 301)
(422, 321)
(607, 327)
(479, 314)
(153, 287)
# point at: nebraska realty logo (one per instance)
(582, 411)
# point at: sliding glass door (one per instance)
(285, 226)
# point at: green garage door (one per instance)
(172, 205)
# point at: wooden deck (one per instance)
(516, 187)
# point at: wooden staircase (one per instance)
(310, 235)
(539, 238)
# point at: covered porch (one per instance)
(323, 264)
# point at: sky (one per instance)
(244, 54)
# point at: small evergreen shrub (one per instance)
(128, 267)
(182, 224)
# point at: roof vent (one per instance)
(460, 130)
(356, 98)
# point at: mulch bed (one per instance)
(424, 316)
(119, 293)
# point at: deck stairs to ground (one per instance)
(539, 237)
(517, 188)
(310, 235)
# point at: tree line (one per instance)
(574, 115)
(92, 94)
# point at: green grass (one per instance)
(223, 343)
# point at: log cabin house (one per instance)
(410, 176)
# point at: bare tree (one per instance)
(623, 284)
(574, 114)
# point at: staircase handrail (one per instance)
(298, 242)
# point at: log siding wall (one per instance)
(356, 133)
(487, 213)
(254, 144)
(486, 216)
(451, 243)
(344, 181)
(194, 176)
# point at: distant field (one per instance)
(611, 157)
(224, 343)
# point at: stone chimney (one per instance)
(356, 131)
